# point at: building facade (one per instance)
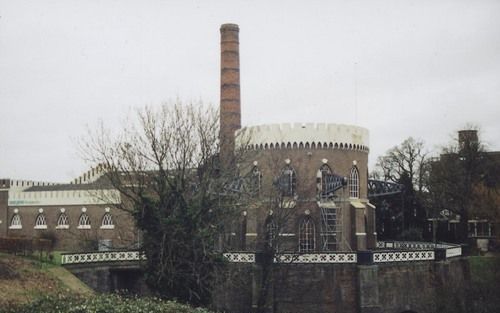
(81, 215)
(309, 186)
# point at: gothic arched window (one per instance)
(288, 181)
(84, 221)
(107, 221)
(62, 221)
(354, 183)
(255, 179)
(307, 232)
(40, 221)
(325, 186)
(15, 222)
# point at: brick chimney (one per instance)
(230, 109)
(467, 139)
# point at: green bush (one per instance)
(411, 234)
(101, 304)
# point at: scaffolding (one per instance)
(331, 228)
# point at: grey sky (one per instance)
(424, 69)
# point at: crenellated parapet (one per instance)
(20, 184)
(304, 136)
(91, 175)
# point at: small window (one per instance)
(354, 183)
(256, 179)
(107, 221)
(307, 234)
(41, 221)
(288, 181)
(272, 232)
(84, 221)
(62, 221)
(15, 222)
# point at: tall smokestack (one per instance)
(230, 108)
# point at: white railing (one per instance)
(242, 257)
(101, 256)
(450, 250)
(403, 256)
(328, 258)
(406, 245)
(406, 252)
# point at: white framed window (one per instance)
(107, 221)
(15, 222)
(40, 221)
(307, 233)
(354, 183)
(288, 181)
(62, 221)
(84, 221)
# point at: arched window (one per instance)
(354, 183)
(40, 221)
(15, 222)
(62, 221)
(325, 186)
(287, 181)
(307, 233)
(84, 221)
(272, 232)
(107, 221)
(256, 179)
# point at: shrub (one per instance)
(101, 304)
(411, 234)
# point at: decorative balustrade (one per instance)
(329, 258)
(442, 250)
(241, 257)
(101, 256)
(403, 256)
(387, 251)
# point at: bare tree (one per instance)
(405, 164)
(165, 165)
(407, 159)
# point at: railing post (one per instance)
(440, 254)
(365, 257)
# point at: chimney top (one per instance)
(229, 26)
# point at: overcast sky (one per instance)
(399, 68)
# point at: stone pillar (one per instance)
(360, 228)
(230, 109)
(368, 289)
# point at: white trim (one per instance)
(107, 226)
(287, 235)
(22, 198)
(40, 226)
(251, 234)
(360, 234)
(83, 227)
(62, 227)
(16, 227)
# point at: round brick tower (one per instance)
(316, 177)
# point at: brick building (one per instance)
(319, 172)
(311, 179)
(80, 215)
